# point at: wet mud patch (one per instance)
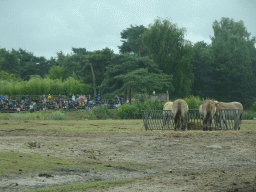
(45, 175)
(63, 176)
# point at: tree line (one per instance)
(150, 58)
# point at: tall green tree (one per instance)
(30, 64)
(232, 61)
(56, 72)
(29, 70)
(202, 70)
(9, 77)
(9, 62)
(141, 73)
(166, 45)
(99, 59)
(70, 63)
(141, 81)
(42, 65)
(73, 64)
(79, 51)
(132, 40)
(79, 56)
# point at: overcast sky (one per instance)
(45, 27)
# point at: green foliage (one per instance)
(69, 63)
(99, 59)
(193, 102)
(248, 115)
(127, 111)
(9, 77)
(31, 65)
(233, 70)
(42, 86)
(33, 86)
(141, 73)
(79, 51)
(72, 85)
(9, 62)
(166, 44)
(224, 69)
(254, 106)
(132, 40)
(143, 81)
(58, 115)
(56, 72)
(55, 86)
(20, 117)
(28, 70)
(133, 110)
(202, 69)
(101, 112)
(148, 105)
(10, 87)
(92, 115)
(39, 115)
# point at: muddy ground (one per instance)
(184, 161)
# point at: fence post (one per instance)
(145, 119)
(236, 119)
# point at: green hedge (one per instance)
(248, 115)
(133, 111)
(42, 86)
(193, 102)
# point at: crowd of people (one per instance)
(45, 102)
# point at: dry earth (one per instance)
(184, 161)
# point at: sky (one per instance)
(45, 27)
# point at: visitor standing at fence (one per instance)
(98, 98)
(70, 97)
(45, 101)
(31, 107)
(121, 98)
(85, 99)
(73, 97)
(34, 106)
(60, 103)
(116, 99)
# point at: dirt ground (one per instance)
(183, 161)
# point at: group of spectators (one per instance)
(45, 102)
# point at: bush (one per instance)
(39, 115)
(248, 115)
(40, 86)
(148, 105)
(86, 116)
(138, 106)
(128, 111)
(92, 115)
(133, 110)
(101, 112)
(193, 102)
(254, 106)
(58, 115)
(20, 117)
